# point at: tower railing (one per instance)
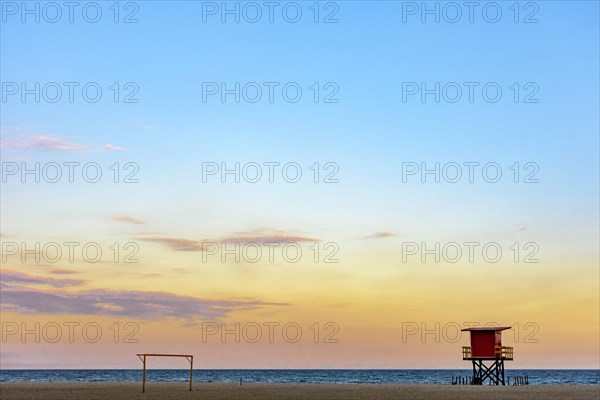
(501, 352)
(467, 352)
(504, 352)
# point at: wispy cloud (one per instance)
(50, 143)
(259, 237)
(136, 304)
(42, 143)
(110, 147)
(267, 239)
(63, 271)
(9, 277)
(129, 219)
(176, 244)
(380, 235)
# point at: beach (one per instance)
(179, 390)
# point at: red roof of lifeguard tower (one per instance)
(491, 328)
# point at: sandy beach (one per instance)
(128, 390)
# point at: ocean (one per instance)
(418, 376)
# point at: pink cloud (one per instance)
(380, 235)
(177, 244)
(129, 219)
(63, 271)
(10, 277)
(259, 237)
(42, 143)
(49, 143)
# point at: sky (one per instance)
(298, 185)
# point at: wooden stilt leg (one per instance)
(191, 369)
(144, 377)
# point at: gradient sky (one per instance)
(371, 295)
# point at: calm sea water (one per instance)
(538, 376)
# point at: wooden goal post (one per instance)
(142, 357)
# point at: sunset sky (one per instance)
(360, 288)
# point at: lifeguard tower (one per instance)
(487, 354)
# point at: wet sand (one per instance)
(179, 390)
